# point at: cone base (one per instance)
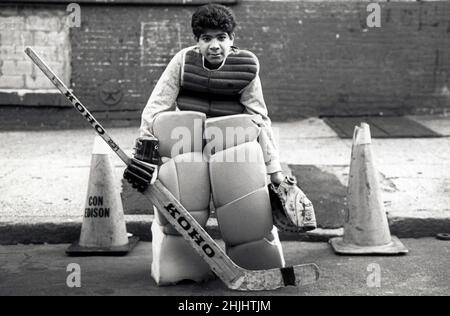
(395, 247)
(75, 250)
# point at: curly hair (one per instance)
(213, 16)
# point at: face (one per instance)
(215, 45)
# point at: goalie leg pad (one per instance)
(179, 132)
(186, 176)
(174, 260)
(268, 248)
(240, 195)
(247, 218)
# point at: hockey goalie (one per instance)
(206, 126)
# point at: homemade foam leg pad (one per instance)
(185, 174)
(240, 194)
(175, 260)
(265, 249)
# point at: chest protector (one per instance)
(216, 92)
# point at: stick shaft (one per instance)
(77, 104)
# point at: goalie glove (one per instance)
(292, 211)
(143, 169)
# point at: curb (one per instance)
(68, 230)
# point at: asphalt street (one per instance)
(45, 270)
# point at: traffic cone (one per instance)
(366, 228)
(103, 231)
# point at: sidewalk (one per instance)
(44, 176)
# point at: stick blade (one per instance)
(306, 274)
(272, 279)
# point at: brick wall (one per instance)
(317, 57)
(320, 57)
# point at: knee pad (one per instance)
(240, 194)
(179, 132)
(185, 174)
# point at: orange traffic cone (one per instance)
(103, 231)
(366, 229)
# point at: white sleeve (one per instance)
(164, 95)
(253, 100)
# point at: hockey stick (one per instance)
(233, 276)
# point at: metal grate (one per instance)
(381, 127)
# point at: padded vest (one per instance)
(216, 92)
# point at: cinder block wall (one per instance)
(44, 29)
(317, 57)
